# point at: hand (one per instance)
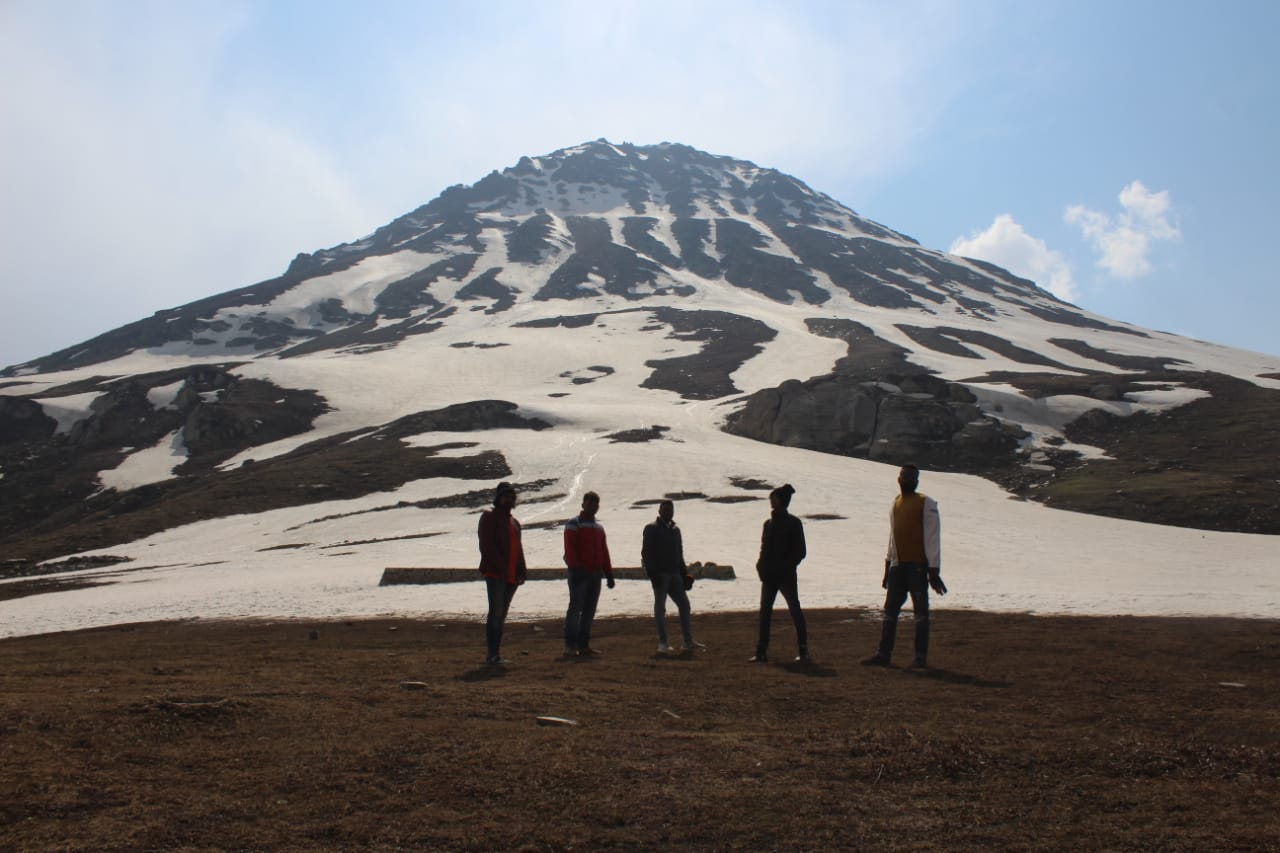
(935, 582)
(612, 583)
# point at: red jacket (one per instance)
(501, 554)
(585, 546)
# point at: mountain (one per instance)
(607, 296)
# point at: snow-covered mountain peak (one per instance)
(668, 318)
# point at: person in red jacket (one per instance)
(586, 553)
(501, 563)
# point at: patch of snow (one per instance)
(68, 411)
(154, 464)
(164, 396)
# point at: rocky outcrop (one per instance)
(878, 405)
(23, 420)
(925, 421)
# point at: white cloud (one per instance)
(1006, 244)
(1124, 243)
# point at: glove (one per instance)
(611, 582)
(935, 582)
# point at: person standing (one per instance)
(662, 556)
(502, 565)
(586, 553)
(912, 565)
(782, 549)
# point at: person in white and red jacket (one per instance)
(586, 554)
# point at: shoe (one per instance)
(664, 648)
(496, 660)
(876, 660)
(695, 646)
(758, 657)
(588, 652)
(570, 651)
(918, 663)
(803, 657)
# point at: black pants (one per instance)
(906, 579)
(584, 595)
(769, 589)
(500, 595)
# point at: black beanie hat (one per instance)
(503, 488)
(784, 493)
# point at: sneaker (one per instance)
(589, 652)
(664, 648)
(803, 657)
(876, 660)
(496, 660)
(570, 651)
(758, 657)
(694, 646)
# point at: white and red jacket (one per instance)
(585, 546)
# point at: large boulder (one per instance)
(914, 418)
(22, 419)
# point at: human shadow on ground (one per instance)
(961, 678)
(680, 656)
(809, 668)
(486, 672)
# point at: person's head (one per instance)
(590, 504)
(780, 498)
(504, 496)
(666, 510)
(908, 479)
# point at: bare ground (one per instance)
(1031, 733)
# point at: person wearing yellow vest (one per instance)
(502, 565)
(912, 565)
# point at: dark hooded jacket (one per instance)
(662, 549)
(499, 535)
(781, 546)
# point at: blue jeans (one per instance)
(790, 588)
(584, 595)
(673, 586)
(500, 595)
(906, 579)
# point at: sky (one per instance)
(1122, 155)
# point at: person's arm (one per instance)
(608, 564)
(891, 553)
(647, 546)
(764, 539)
(932, 535)
(571, 557)
(488, 548)
(522, 569)
(798, 549)
(933, 545)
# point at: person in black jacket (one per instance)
(662, 555)
(781, 550)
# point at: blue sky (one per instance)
(1120, 153)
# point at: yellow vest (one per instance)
(908, 528)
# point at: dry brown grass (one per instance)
(1031, 733)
